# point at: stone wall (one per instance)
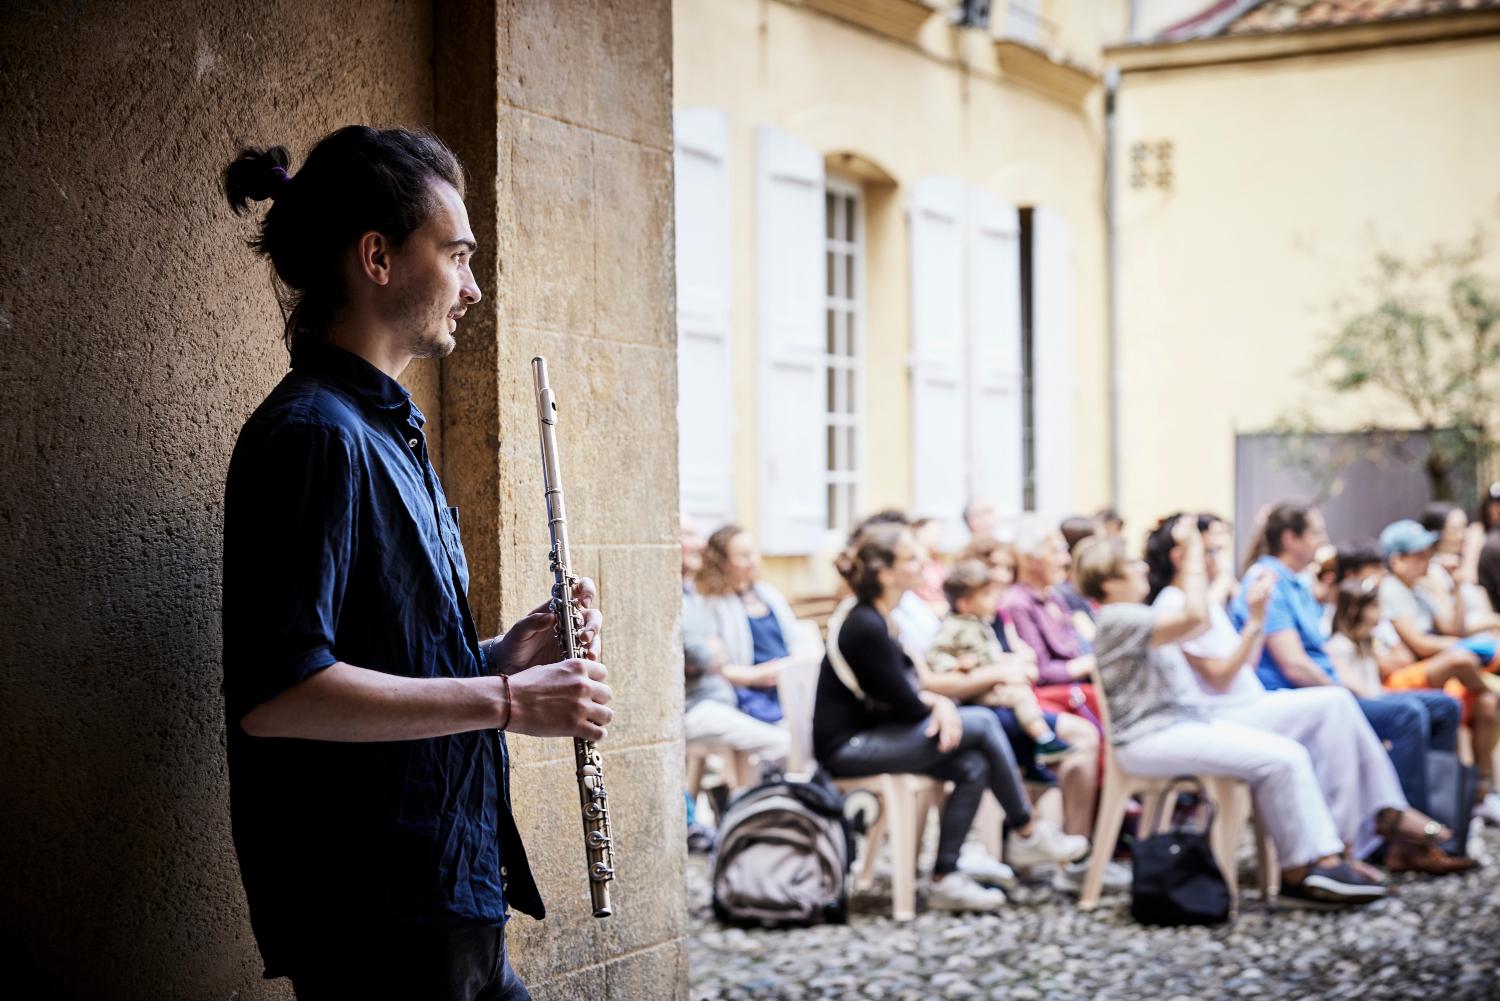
(139, 333)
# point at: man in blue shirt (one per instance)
(1411, 723)
(369, 794)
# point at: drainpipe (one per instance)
(1112, 297)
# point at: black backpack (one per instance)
(1176, 880)
(783, 855)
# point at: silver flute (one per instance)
(598, 842)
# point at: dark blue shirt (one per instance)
(1293, 607)
(339, 545)
(767, 644)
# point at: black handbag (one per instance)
(1176, 880)
(1451, 785)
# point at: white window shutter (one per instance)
(705, 416)
(995, 404)
(939, 441)
(790, 303)
(1055, 374)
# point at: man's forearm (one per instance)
(347, 703)
(1302, 672)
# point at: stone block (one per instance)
(617, 406)
(547, 253)
(641, 601)
(647, 816)
(586, 984)
(587, 61)
(634, 263)
(658, 973)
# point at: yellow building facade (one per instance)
(1261, 171)
(891, 251)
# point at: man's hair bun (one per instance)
(255, 175)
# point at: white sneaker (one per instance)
(1069, 878)
(1488, 809)
(1046, 844)
(957, 892)
(982, 867)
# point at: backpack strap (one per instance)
(836, 659)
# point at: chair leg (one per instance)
(874, 838)
(1231, 801)
(991, 825)
(900, 799)
(1111, 815)
(1265, 857)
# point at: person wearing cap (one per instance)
(1411, 723)
(1437, 661)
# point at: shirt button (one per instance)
(412, 442)
(503, 872)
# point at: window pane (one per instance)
(830, 212)
(853, 508)
(830, 399)
(833, 325)
(832, 461)
(847, 345)
(849, 285)
(832, 272)
(849, 452)
(849, 407)
(849, 229)
(833, 506)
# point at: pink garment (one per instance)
(1044, 625)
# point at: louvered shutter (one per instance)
(939, 442)
(995, 446)
(1055, 375)
(705, 418)
(790, 303)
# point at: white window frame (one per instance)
(853, 416)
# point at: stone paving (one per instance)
(1439, 939)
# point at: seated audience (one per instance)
(1161, 728)
(967, 643)
(750, 618)
(870, 717)
(1110, 523)
(1031, 603)
(1075, 530)
(711, 708)
(1452, 581)
(929, 535)
(1411, 723)
(917, 620)
(1354, 773)
(980, 519)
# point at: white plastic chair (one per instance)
(904, 798)
(1232, 810)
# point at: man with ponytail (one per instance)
(369, 791)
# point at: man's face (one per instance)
(1300, 550)
(431, 284)
(1216, 543)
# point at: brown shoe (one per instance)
(1402, 857)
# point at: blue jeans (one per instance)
(1023, 746)
(1414, 723)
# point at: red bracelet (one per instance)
(508, 713)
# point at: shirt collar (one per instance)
(354, 373)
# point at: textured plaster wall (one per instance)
(1289, 175)
(138, 335)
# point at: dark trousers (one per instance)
(982, 760)
(1414, 723)
(464, 963)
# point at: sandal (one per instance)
(1389, 825)
(1406, 857)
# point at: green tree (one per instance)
(1422, 343)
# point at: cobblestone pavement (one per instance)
(1439, 939)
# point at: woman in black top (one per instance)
(870, 717)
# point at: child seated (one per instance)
(967, 642)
